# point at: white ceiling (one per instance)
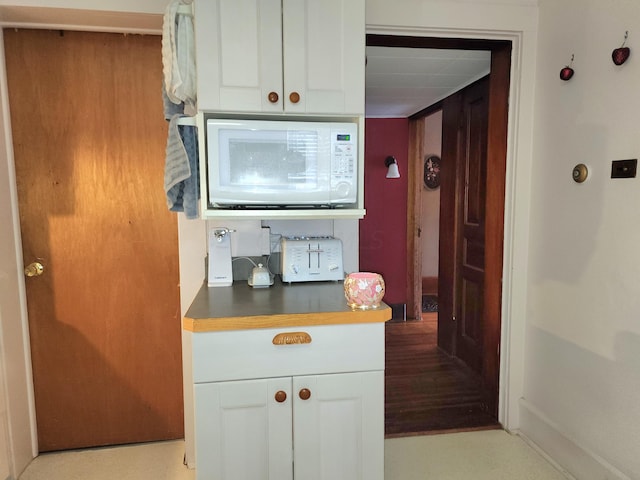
(402, 81)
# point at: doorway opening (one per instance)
(442, 367)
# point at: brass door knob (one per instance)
(294, 97)
(34, 269)
(305, 394)
(280, 396)
(273, 97)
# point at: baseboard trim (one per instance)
(568, 455)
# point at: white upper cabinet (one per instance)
(281, 56)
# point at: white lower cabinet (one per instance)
(302, 403)
(309, 427)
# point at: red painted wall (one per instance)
(383, 230)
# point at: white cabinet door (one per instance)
(339, 430)
(244, 46)
(243, 430)
(239, 54)
(324, 56)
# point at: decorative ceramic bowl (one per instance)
(363, 290)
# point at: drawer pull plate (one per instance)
(292, 338)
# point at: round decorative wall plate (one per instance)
(432, 171)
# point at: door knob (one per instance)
(281, 396)
(34, 269)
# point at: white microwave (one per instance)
(277, 163)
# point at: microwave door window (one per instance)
(259, 166)
(265, 165)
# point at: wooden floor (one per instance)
(426, 390)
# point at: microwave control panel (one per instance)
(344, 161)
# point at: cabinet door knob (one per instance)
(305, 394)
(273, 97)
(294, 97)
(281, 396)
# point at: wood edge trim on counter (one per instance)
(286, 320)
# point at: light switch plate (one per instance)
(624, 168)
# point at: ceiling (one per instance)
(402, 81)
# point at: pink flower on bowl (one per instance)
(363, 290)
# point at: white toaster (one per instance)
(311, 259)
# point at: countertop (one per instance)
(241, 307)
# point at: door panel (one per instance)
(472, 223)
(473, 157)
(462, 224)
(324, 51)
(89, 137)
(231, 81)
(337, 430)
(249, 432)
(448, 253)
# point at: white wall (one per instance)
(430, 222)
(582, 376)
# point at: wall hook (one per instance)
(567, 72)
(621, 54)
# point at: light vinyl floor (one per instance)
(479, 455)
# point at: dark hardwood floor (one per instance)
(426, 390)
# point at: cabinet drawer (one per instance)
(247, 354)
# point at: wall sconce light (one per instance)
(392, 164)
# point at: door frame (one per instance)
(503, 51)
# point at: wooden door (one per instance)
(89, 137)
(244, 430)
(338, 429)
(471, 172)
(462, 225)
(498, 121)
(449, 220)
(472, 223)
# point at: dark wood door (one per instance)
(498, 121)
(463, 188)
(89, 137)
(473, 169)
(471, 185)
